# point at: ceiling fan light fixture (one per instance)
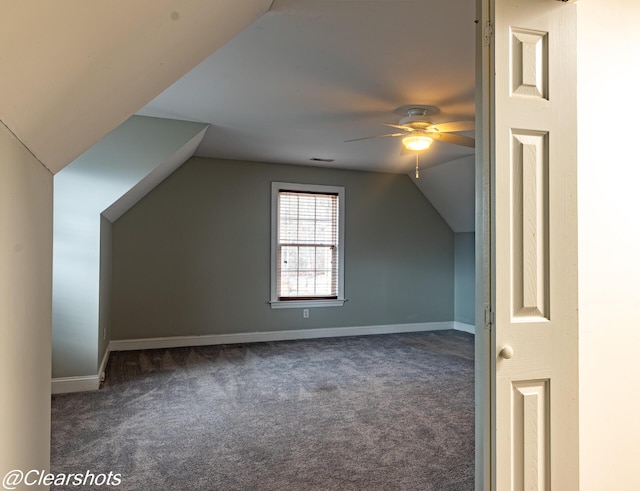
(417, 142)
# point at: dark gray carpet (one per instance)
(388, 412)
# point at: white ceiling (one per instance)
(309, 74)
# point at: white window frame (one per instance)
(276, 187)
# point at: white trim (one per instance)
(255, 337)
(276, 187)
(307, 304)
(461, 326)
(63, 385)
(103, 365)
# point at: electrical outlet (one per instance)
(305, 313)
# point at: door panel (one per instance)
(530, 416)
(529, 225)
(535, 245)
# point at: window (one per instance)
(307, 245)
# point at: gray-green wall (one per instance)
(115, 170)
(465, 278)
(192, 257)
(104, 311)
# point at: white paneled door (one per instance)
(533, 128)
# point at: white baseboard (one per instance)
(255, 337)
(461, 326)
(92, 382)
(63, 385)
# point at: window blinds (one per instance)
(307, 245)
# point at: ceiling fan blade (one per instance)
(403, 128)
(465, 141)
(453, 127)
(377, 136)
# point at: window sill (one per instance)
(306, 304)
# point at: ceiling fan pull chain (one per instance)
(417, 169)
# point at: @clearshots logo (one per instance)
(35, 477)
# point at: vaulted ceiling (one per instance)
(283, 81)
(309, 74)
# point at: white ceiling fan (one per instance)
(419, 132)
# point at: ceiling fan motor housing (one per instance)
(417, 118)
(416, 122)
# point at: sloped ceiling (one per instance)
(451, 189)
(287, 86)
(309, 74)
(73, 70)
